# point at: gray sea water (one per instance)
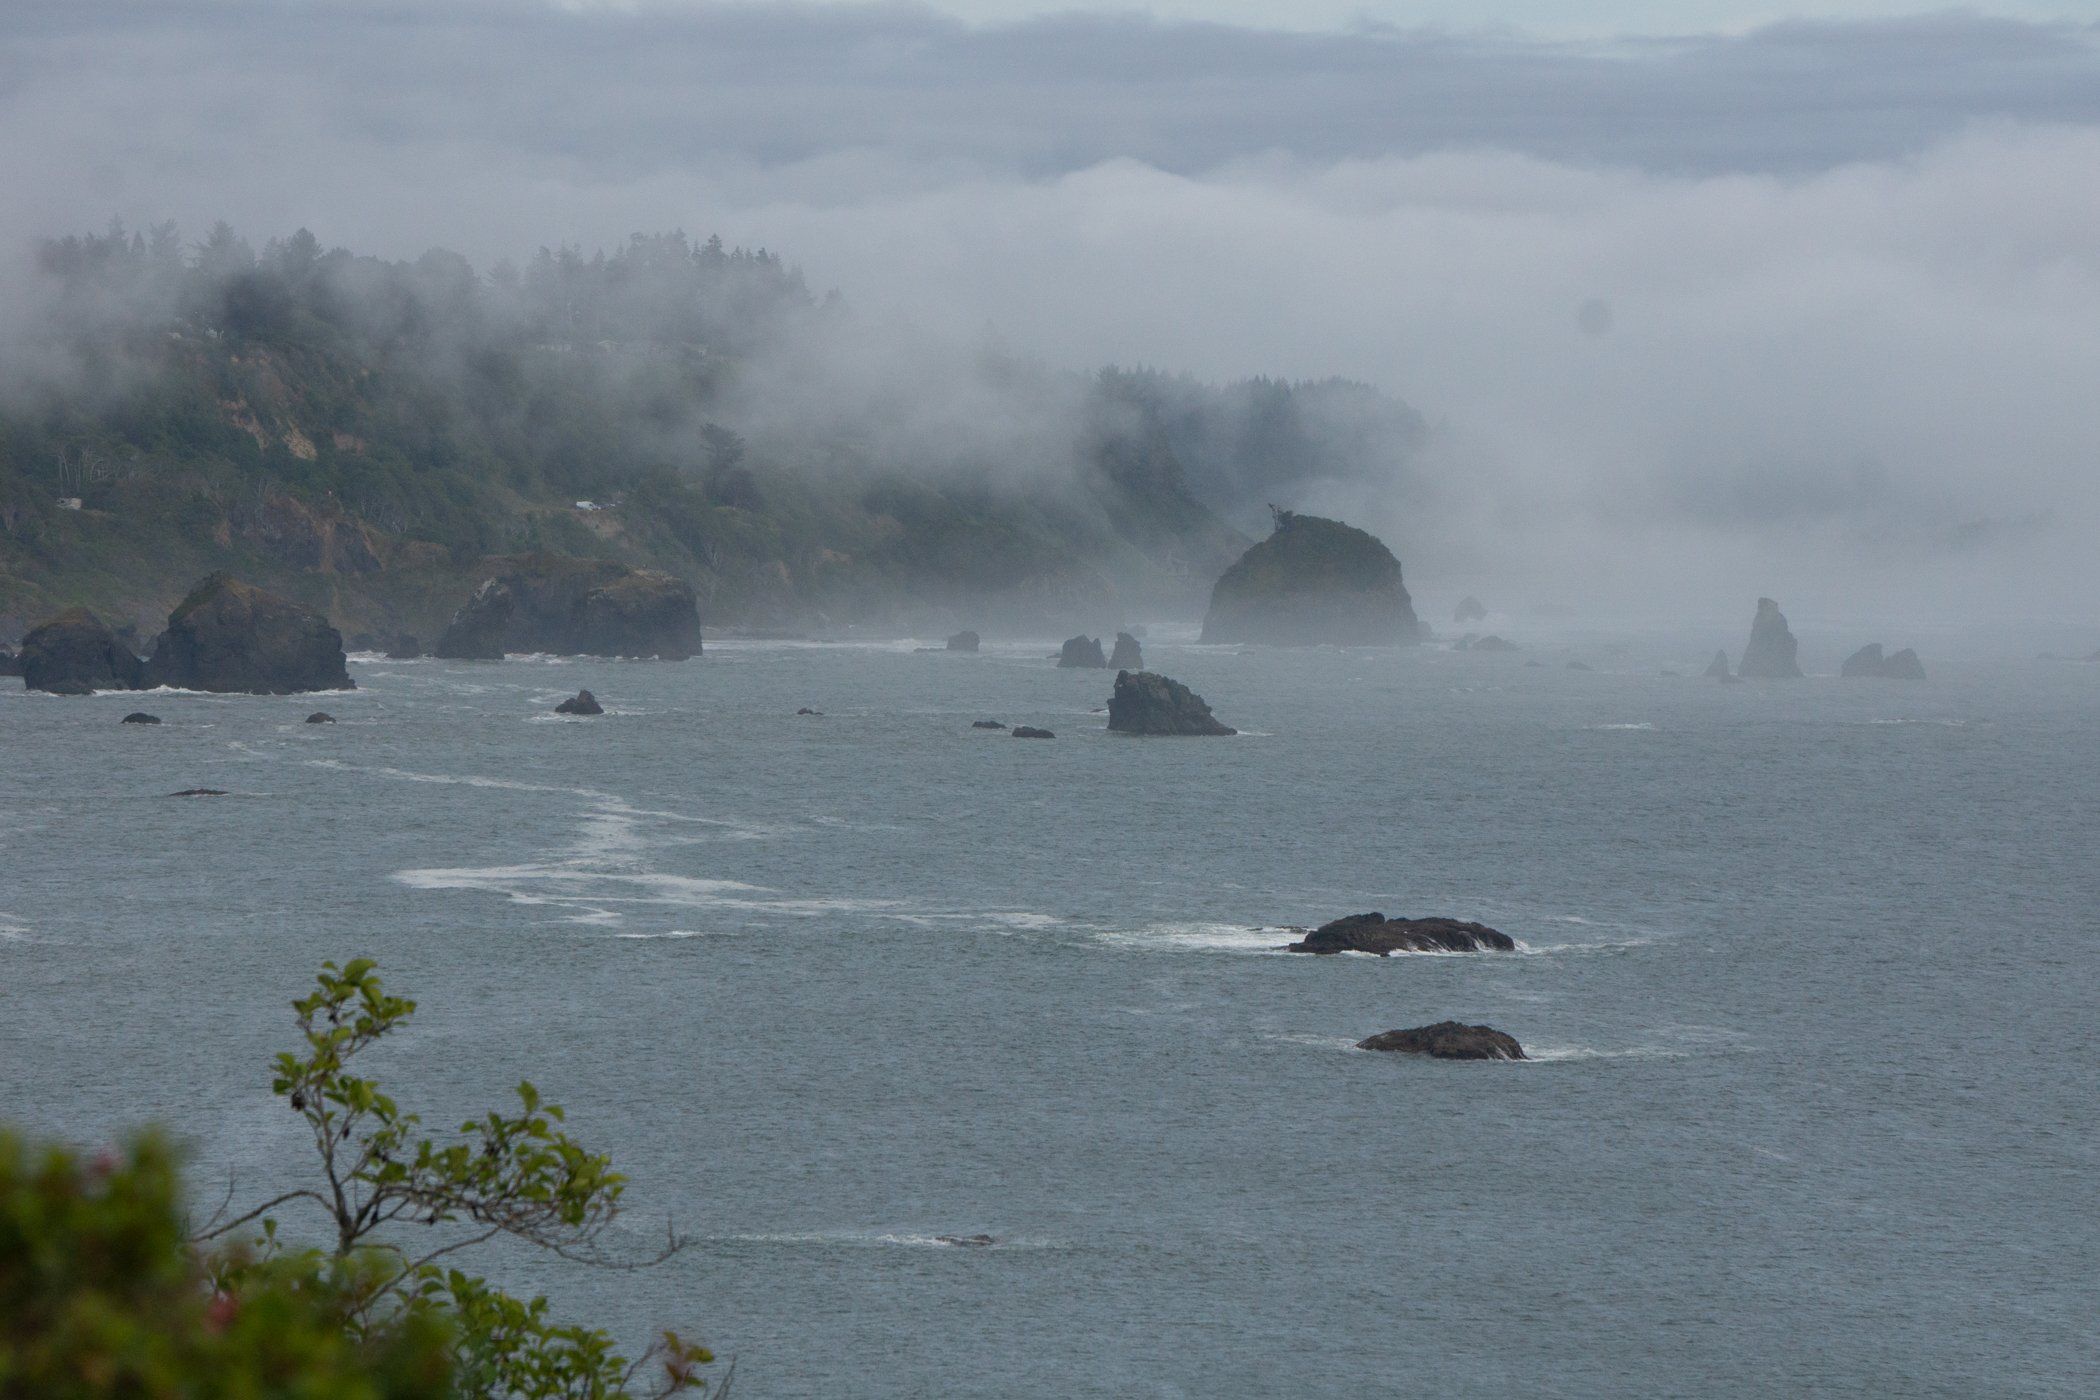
(1808, 976)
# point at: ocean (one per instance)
(1807, 975)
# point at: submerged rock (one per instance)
(1313, 581)
(1579, 666)
(1148, 703)
(1083, 651)
(320, 717)
(1128, 656)
(139, 717)
(963, 641)
(76, 653)
(986, 724)
(199, 792)
(1469, 609)
(573, 607)
(806, 710)
(1770, 655)
(581, 703)
(1029, 731)
(972, 1240)
(1375, 933)
(1717, 669)
(231, 637)
(1448, 1040)
(1490, 642)
(1869, 662)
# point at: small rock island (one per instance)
(1145, 702)
(1869, 663)
(1313, 581)
(573, 607)
(1375, 933)
(1448, 1040)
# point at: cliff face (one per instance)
(574, 607)
(1310, 582)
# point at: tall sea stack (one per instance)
(1313, 581)
(1770, 655)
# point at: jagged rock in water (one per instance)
(986, 724)
(1029, 731)
(806, 710)
(1469, 609)
(320, 717)
(1313, 581)
(76, 653)
(1145, 702)
(963, 641)
(1770, 655)
(1083, 651)
(233, 638)
(406, 647)
(581, 703)
(1448, 1040)
(199, 792)
(1375, 933)
(139, 717)
(1869, 662)
(1717, 669)
(1128, 656)
(573, 607)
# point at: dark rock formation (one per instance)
(1146, 702)
(405, 647)
(1869, 662)
(1310, 582)
(963, 641)
(1469, 609)
(573, 607)
(1028, 731)
(233, 638)
(1375, 933)
(10, 664)
(1083, 651)
(139, 717)
(974, 1240)
(199, 792)
(1717, 669)
(320, 717)
(986, 724)
(1448, 1040)
(1770, 655)
(806, 710)
(581, 703)
(1128, 656)
(76, 653)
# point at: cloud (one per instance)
(1851, 270)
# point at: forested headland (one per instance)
(357, 433)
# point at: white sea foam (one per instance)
(1199, 938)
(1641, 725)
(884, 1239)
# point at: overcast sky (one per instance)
(1849, 262)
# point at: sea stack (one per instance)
(1869, 663)
(1083, 652)
(77, 653)
(1770, 655)
(1717, 669)
(573, 607)
(581, 703)
(1469, 609)
(1128, 656)
(1313, 581)
(1147, 703)
(231, 637)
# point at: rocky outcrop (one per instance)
(199, 792)
(405, 647)
(963, 641)
(573, 607)
(986, 724)
(581, 703)
(1145, 702)
(1717, 669)
(76, 653)
(1770, 655)
(1083, 652)
(1448, 1040)
(139, 717)
(233, 638)
(1375, 933)
(1868, 662)
(1490, 642)
(972, 1241)
(320, 717)
(1128, 655)
(1313, 581)
(1029, 731)
(1469, 609)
